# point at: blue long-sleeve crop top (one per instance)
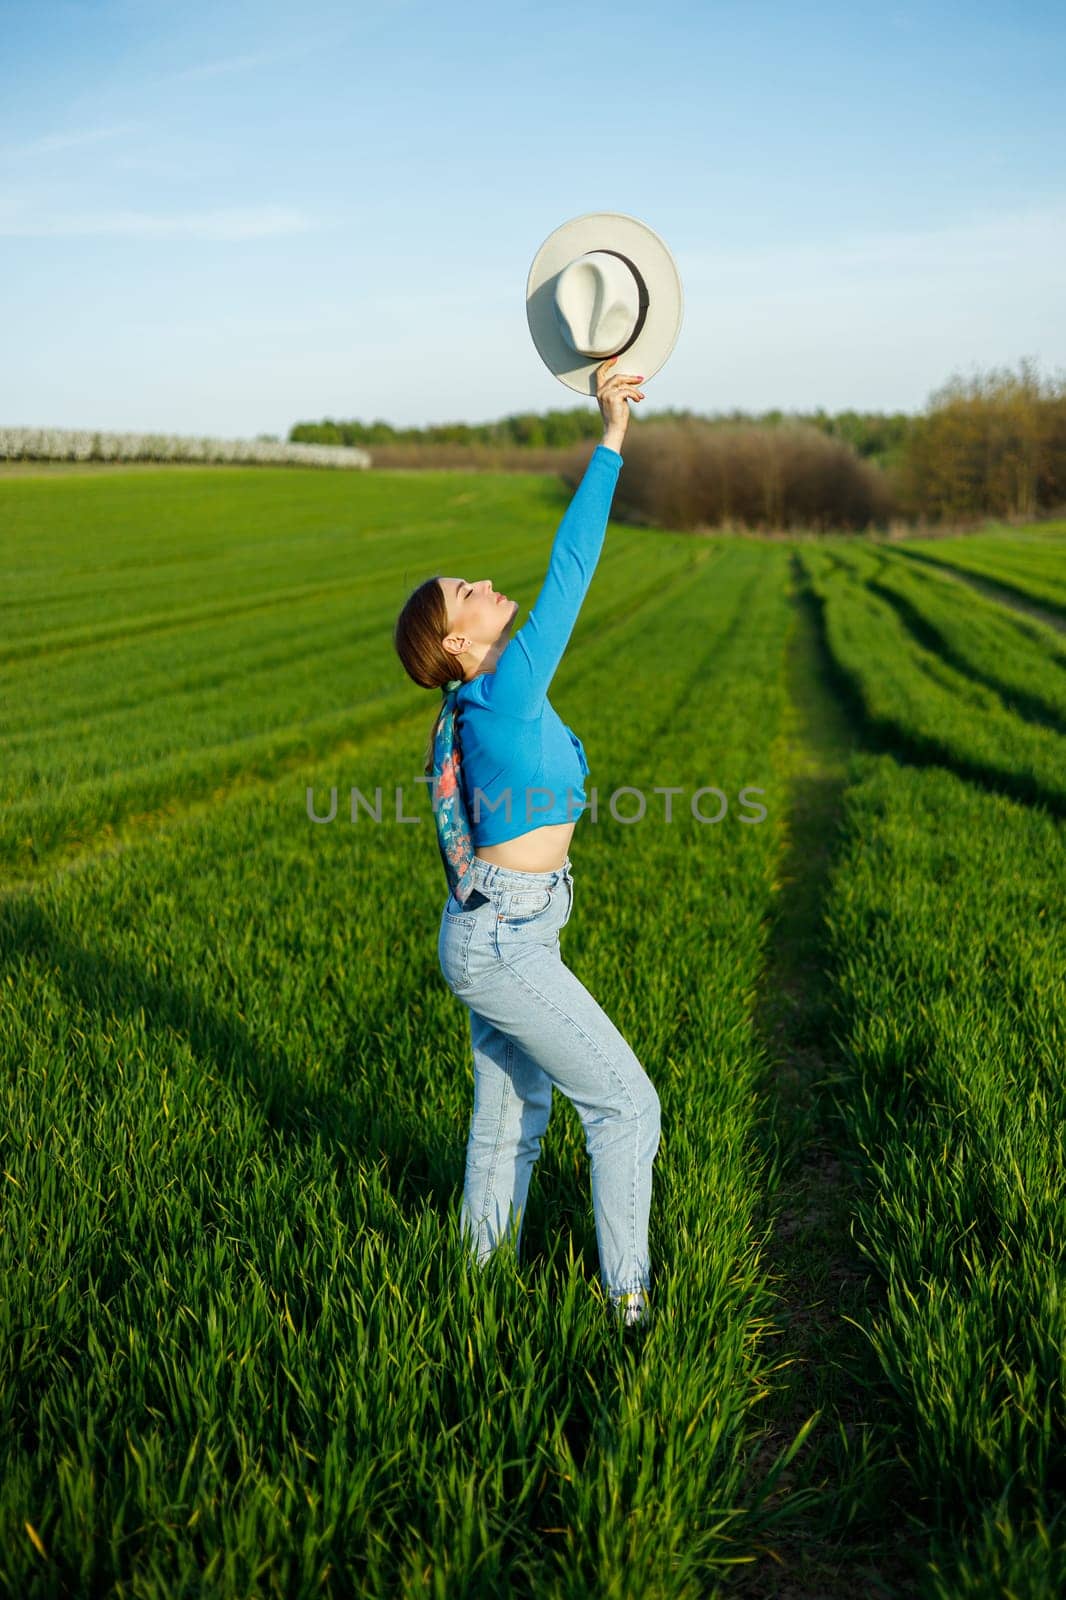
(522, 767)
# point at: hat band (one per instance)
(643, 302)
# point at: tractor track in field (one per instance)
(928, 637)
(1011, 599)
(849, 1542)
(880, 733)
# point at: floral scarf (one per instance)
(454, 839)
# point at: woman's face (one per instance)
(476, 611)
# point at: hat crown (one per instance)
(597, 303)
(603, 284)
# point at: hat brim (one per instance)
(605, 230)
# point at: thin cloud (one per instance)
(65, 141)
(213, 69)
(254, 223)
(253, 58)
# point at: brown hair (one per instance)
(418, 637)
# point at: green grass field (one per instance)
(244, 1353)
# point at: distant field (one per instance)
(244, 1352)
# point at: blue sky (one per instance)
(223, 218)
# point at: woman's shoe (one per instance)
(632, 1308)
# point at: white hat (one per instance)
(602, 285)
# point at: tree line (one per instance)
(876, 436)
(989, 445)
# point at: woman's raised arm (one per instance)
(528, 664)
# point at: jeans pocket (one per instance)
(523, 905)
(453, 951)
(454, 912)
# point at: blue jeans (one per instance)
(534, 1024)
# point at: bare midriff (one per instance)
(539, 850)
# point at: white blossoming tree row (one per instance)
(75, 444)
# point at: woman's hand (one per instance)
(613, 393)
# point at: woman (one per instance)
(532, 1023)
